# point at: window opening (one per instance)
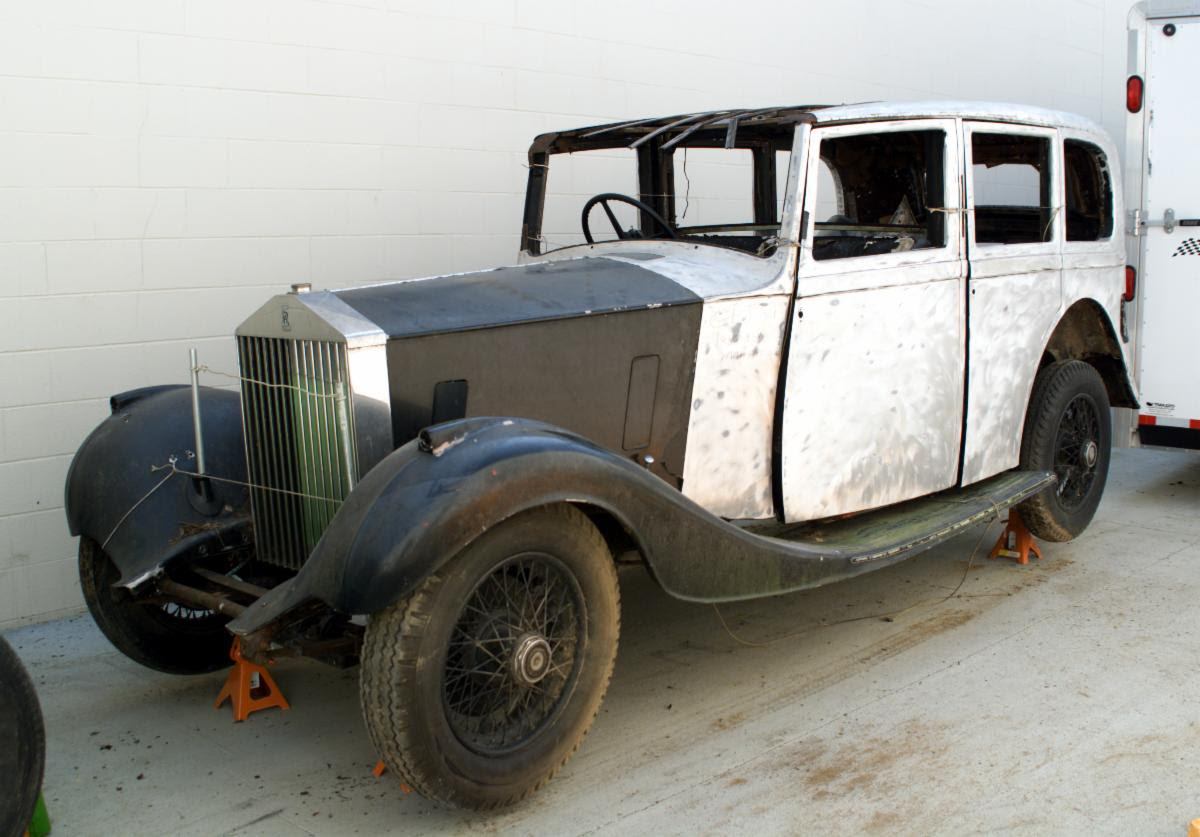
(1011, 175)
(1088, 192)
(880, 193)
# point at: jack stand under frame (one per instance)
(1022, 541)
(249, 687)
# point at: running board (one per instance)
(919, 524)
(713, 562)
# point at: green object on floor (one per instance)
(40, 826)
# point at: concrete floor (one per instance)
(1056, 698)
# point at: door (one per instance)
(1170, 275)
(872, 410)
(1014, 227)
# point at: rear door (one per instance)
(1015, 207)
(1169, 336)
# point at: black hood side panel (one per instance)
(622, 380)
(512, 295)
(598, 346)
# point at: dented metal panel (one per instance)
(874, 398)
(730, 430)
(872, 410)
(1015, 302)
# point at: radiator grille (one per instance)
(298, 425)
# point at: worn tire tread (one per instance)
(1041, 426)
(390, 651)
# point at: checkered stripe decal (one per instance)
(1189, 247)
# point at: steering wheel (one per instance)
(603, 198)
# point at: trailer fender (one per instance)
(111, 494)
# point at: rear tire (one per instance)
(1068, 430)
(22, 745)
(478, 686)
(169, 638)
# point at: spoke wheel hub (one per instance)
(1090, 453)
(513, 657)
(530, 659)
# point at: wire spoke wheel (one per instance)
(511, 657)
(1068, 430)
(184, 613)
(1076, 451)
(480, 683)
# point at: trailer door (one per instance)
(1170, 277)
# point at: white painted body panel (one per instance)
(873, 404)
(1012, 317)
(1015, 301)
(730, 432)
(874, 398)
(1018, 295)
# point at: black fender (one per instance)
(110, 490)
(428, 500)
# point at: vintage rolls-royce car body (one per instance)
(906, 322)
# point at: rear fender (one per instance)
(1086, 333)
(110, 491)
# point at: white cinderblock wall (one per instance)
(166, 165)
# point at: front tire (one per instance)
(170, 638)
(478, 686)
(1068, 430)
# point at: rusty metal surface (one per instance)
(194, 596)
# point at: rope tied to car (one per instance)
(333, 396)
(172, 468)
(175, 469)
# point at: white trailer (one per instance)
(1162, 190)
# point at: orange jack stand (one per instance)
(1022, 542)
(249, 687)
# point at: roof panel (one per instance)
(673, 128)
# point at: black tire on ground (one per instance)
(1068, 430)
(22, 745)
(482, 683)
(169, 638)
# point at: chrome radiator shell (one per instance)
(315, 416)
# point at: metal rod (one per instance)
(200, 469)
(343, 420)
(235, 584)
(206, 600)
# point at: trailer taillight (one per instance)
(1133, 93)
(1130, 283)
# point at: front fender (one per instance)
(109, 496)
(429, 499)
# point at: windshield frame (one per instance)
(656, 179)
